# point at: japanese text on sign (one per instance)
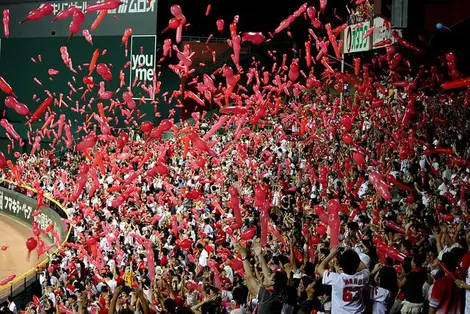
(15, 206)
(354, 40)
(127, 7)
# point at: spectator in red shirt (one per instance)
(445, 296)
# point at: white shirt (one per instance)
(52, 298)
(381, 299)
(446, 174)
(70, 211)
(12, 307)
(208, 230)
(422, 163)
(111, 263)
(54, 281)
(442, 189)
(42, 278)
(112, 284)
(104, 244)
(347, 291)
(363, 189)
(425, 200)
(203, 258)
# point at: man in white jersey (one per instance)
(347, 293)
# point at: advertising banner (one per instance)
(353, 37)
(137, 14)
(382, 33)
(143, 58)
(21, 207)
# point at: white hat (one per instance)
(158, 271)
(229, 272)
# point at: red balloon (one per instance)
(193, 195)
(146, 127)
(91, 241)
(377, 182)
(346, 121)
(260, 195)
(255, 38)
(382, 252)
(220, 25)
(173, 23)
(333, 206)
(200, 161)
(359, 159)
(122, 139)
(31, 243)
(448, 217)
(456, 84)
(165, 125)
(321, 214)
(191, 258)
(377, 239)
(185, 245)
(321, 229)
(394, 226)
(395, 254)
(51, 269)
(248, 234)
(316, 240)
(88, 141)
(398, 268)
(104, 71)
(236, 264)
(36, 229)
(348, 139)
(36, 301)
(192, 285)
(3, 160)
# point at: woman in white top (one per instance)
(383, 294)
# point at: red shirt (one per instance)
(445, 296)
(103, 311)
(119, 281)
(70, 287)
(102, 301)
(464, 265)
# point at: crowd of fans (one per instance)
(203, 268)
(155, 221)
(361, 13)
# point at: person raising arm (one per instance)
(348, 286)
(272, 293)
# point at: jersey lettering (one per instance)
(351, 293)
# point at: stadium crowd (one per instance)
(203, 265)
(297, 202)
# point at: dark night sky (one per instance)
(255, 15)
